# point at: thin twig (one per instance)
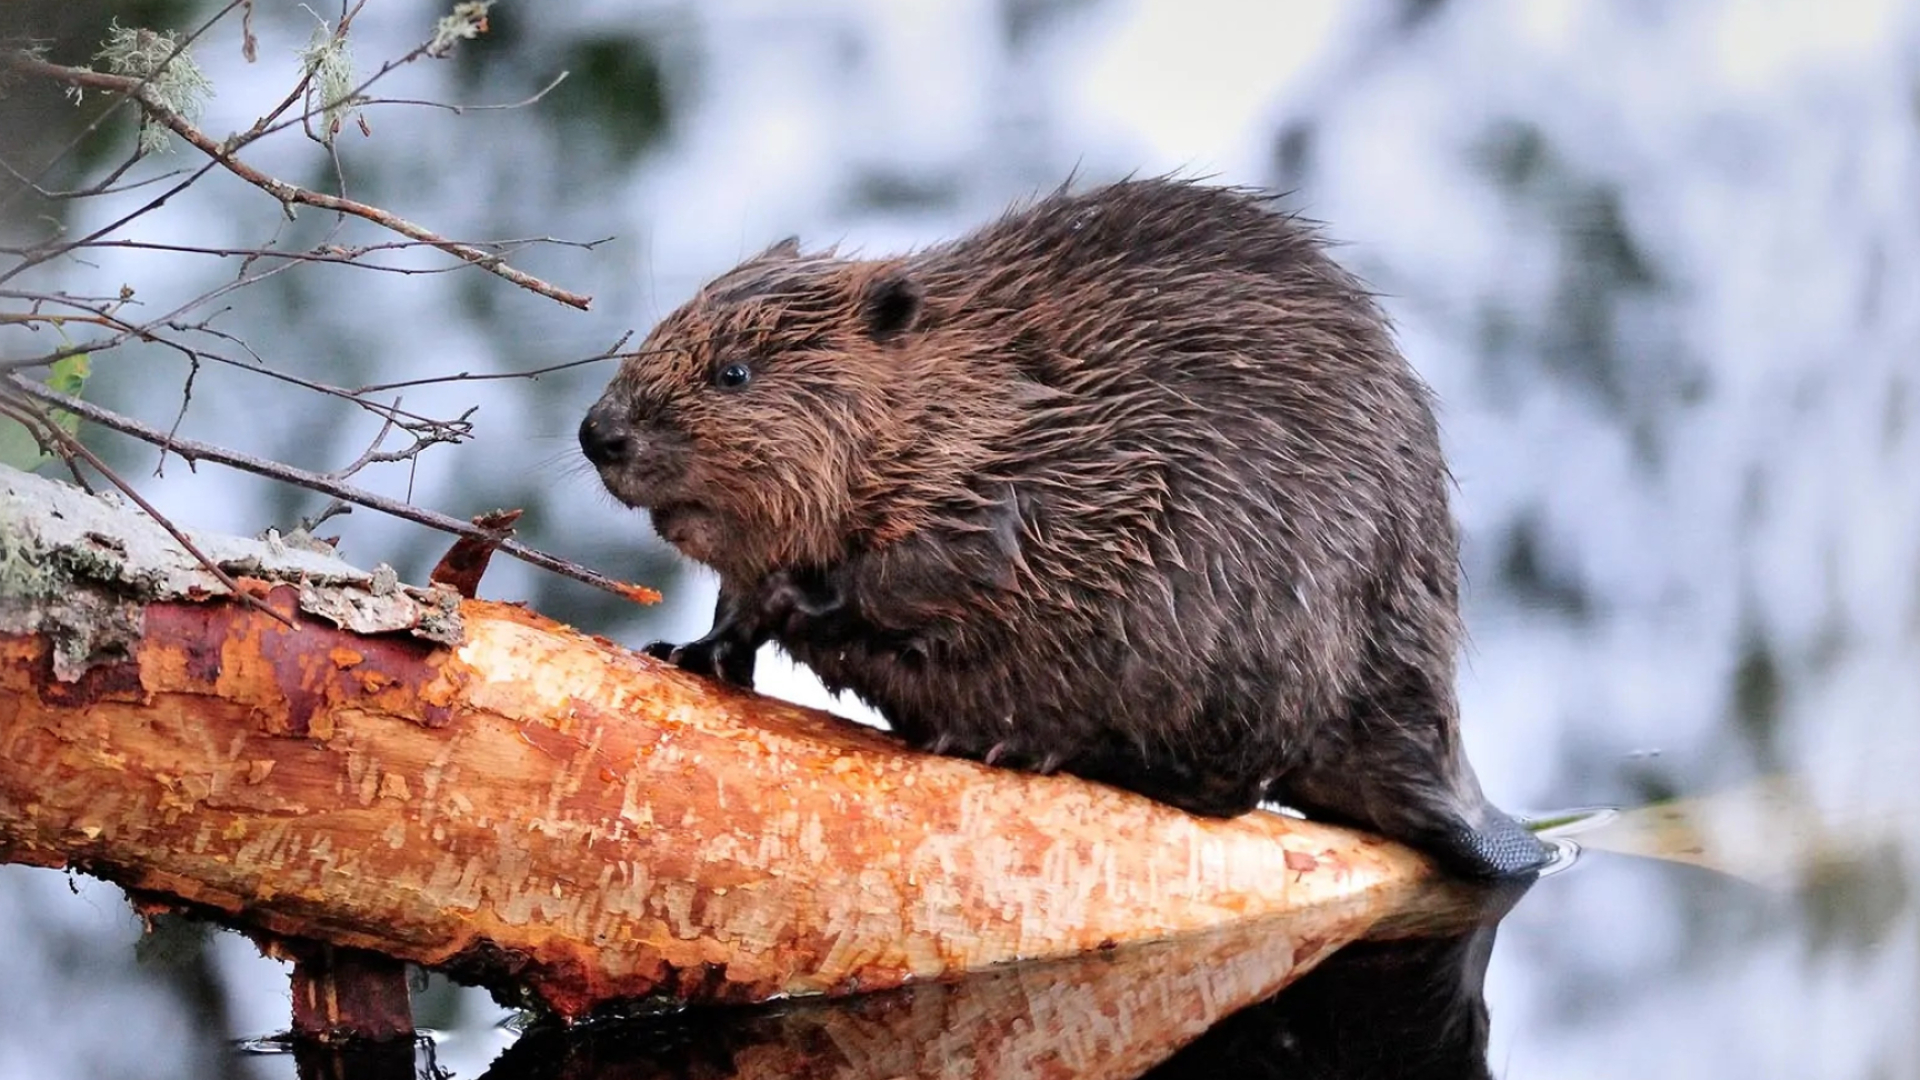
(52, 251)
(288, 194)
(37, 423)
(436, 430)
(103, 186)
(327, 253)
(64, 298)
(149, 332)
(484, 376)
(373, 452)
(313, 481)
(10, 319)
(186, 402)
(361, 103)
(48, 359)
(34, 421)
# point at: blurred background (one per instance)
(1661, 263)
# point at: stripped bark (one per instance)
(475, 788)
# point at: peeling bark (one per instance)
(493, 794)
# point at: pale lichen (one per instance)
(328, 62)
(38, 595)
(173, 81)
(79, 568)
(467, 21)
(22, 577)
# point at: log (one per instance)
(475, 788)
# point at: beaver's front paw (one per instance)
(723, 658)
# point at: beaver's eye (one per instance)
(733, 376)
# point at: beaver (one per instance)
(1131, 483)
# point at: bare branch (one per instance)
(69, 299)
(150, 332)
(13, 319)
(467, 376)
(103, 186)
(288, 194)
(85, 133)
(464, 109)
(25, 398)
(426, 430)
(373, 452)
(53, 251)
(320, 482)
(327, 253)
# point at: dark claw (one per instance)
(702, 657)
(1049, 765)
(941, 743)
(995, 752)
(716, 658)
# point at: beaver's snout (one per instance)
(606, 437)
(642, 463)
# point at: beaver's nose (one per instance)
(605, 436)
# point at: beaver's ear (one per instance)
(891, 304)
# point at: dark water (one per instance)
(1659, 262)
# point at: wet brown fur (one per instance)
(1131, 482)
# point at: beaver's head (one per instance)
(753, 422)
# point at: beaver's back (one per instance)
(1226, 484)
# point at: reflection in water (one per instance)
(382, 1061)
(1409, 1004)
(1409, 1008)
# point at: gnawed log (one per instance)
(472, 787)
